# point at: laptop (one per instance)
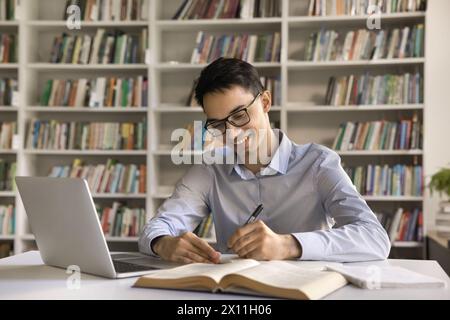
(63, 218)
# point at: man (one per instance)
(312, 211)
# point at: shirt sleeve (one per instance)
(357, 234)
(183, 211)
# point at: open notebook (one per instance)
(279, 279)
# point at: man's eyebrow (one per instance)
(234, 110)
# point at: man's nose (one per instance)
(233, 132)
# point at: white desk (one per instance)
(26, 277)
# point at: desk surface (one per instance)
(25, 276)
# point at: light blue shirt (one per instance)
(305, 192)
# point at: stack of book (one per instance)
(7, 131)
(377, 180)
(112, 177)
(369, 89)
(7, 175)
(379, 135)
(8, 9)
(206, 228)
(109, 10)
(363, 44)
(403, 225)
(55, 135)
(7, 221)
(121, 221)
(96, 93)
(8, 48)
(363, 7)
(443, 219)
(105, 47)
(248, 47)
(227, 9)
(7, 88)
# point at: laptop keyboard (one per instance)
(122, 267)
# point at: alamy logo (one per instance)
(374, 20)
(73, 282)
(73, 17)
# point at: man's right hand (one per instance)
(187, 248)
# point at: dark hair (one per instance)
(224, 73)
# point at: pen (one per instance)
(255, 214)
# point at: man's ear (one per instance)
(266, 99)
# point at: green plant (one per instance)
(440, 181)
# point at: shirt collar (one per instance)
(278, 164)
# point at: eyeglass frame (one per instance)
(225, 120)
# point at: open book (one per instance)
(279, 279)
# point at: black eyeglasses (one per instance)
(237, 118)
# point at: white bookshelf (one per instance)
(170, 75)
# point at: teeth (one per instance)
(241, 141)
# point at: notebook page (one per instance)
(375, 277)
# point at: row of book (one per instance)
(7, 131)
(227, 9)
(7, 174)
(206, 228)
(7, 88)
(396, 180)
(8, 9)
(108, 10)
(105, 47)
(379, 135)
(111, 177)
(120, 220)
(8, 48)
(271, 84)
(363, 7)
(96, 93)
(363, 44)
(7, 219)
(248, 47)
(56, 135)
(403, 225)
(366, 89)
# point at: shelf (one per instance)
(48, 24)
(6, 237)
(314, 21)
(88, 152)
(87, 109)
(9, 66)
(292, 107)
(7, 194)
(8, 109)
(208, 24)
(8, 151)
(306, 65)
(380, 153)
(393, 198)
(90, 67)
(407, 244)
(176, 66)
(119, 195)
(121, 239)
(9, 23)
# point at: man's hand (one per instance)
(258, 241)
(187, 248)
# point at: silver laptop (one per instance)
(67, 229)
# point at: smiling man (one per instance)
(312, 211)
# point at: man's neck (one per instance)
(272, 145)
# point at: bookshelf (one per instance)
(170, 74)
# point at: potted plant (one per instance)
(440, 182)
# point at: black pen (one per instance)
(255, 214)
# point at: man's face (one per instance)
(219, 105)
